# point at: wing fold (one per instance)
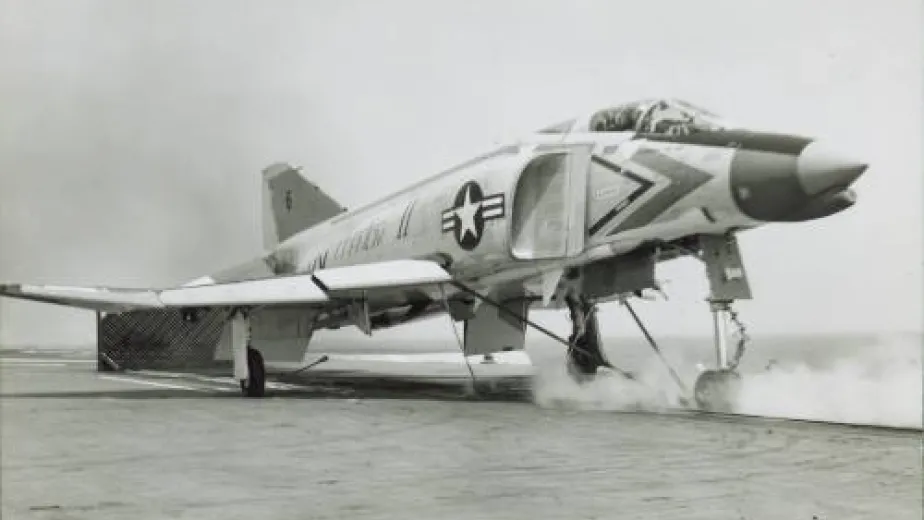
(382, 275)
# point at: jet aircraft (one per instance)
(575, 214)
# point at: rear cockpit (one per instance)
(651, 116)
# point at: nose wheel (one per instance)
(717, 390)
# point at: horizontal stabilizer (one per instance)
(318, 288)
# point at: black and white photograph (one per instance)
(513, 259)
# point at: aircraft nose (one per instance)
(786, 178)
(820, 168)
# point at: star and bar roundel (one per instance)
(469, 212)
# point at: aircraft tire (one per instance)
(255, 385)
(717, 390)
(580, 373)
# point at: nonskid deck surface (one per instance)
(79, 444)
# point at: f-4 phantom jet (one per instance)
(576, 214)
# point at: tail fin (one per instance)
(292, 204)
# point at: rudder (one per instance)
(292, 204)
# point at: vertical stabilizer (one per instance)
(292, 204)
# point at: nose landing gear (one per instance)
(718, 389)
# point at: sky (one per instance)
(133, 133)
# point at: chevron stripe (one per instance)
(643, 186)
(684, 179)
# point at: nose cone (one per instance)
(820, 169)
(782, 178)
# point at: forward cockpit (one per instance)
(665, 116)
(651, 116)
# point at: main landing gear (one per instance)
(249, 368)
(585, 350)
(255, 383)
(715, 389)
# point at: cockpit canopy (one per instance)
(651, 116)
(665, 116)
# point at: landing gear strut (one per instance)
(249, 369)
(718, 389)
(585, 352)
(255, 384)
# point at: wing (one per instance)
(321, 287)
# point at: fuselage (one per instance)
(428, 220)
(581, 191)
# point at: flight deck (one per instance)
(146, 445)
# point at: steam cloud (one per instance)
(881, 385)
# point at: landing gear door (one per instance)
(549, 203)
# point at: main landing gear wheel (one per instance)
(717, 390)
(585, 355)
(584, 359)
(581, 367)
(255, 384)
